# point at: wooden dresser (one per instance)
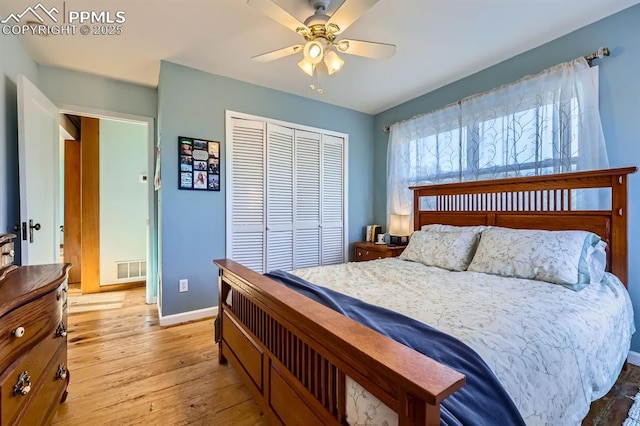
(33, 344)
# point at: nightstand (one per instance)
(371, 251)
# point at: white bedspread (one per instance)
(553, 349)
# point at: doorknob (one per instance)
(31, 228)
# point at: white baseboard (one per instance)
(634, 358)
(167, 320)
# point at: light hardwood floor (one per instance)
(127, 370)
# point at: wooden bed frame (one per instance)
(293, 353)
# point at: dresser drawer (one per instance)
(52, 384)
(370, 251)
(7, 254)
(36, 320)
(30, 367)
(363, 254)
(7, 250)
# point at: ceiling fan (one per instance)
(320, 52)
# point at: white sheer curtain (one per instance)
(541, 124)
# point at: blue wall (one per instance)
(619, 109)
(14, 60)
(193, 103)
(68, 87)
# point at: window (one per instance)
(541, 124)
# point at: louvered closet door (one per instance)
(279, 197)
(332, 239)
(248, 195)
(306, 246)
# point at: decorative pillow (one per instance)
(552, 256)
(447, 250)
(437, 227)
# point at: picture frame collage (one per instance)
(199, 163)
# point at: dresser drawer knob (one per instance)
(18, 332)
(61, 331)
(24, 384)
(62, 372)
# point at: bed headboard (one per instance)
(534, 202)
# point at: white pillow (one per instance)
(552, 256)
(447, 250)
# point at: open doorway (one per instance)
(109, 233)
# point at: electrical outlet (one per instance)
(184, 285)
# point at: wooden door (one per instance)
(90, 189)
(72, 208)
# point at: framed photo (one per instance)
(199, 164)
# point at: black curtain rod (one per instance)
(598, 54)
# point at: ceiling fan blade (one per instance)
(349, 12)
(277, 54)
(368, 49)
(277, 13)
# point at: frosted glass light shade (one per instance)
(313, 51)
(399, 225)
(333, 62)
(306, 66)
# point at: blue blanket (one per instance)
(481, 401)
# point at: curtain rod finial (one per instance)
(599, 54)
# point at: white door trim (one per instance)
(152, 282)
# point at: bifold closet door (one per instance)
(307, 200)
(247, 209)
(285, 195)
(279, 180)
(332, 208)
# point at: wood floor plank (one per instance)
(127, 370)
(171, 356)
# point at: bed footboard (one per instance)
(294, 355)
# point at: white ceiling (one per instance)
(438, 42)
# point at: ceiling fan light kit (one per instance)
(320, 32)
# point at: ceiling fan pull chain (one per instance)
(319, 77)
